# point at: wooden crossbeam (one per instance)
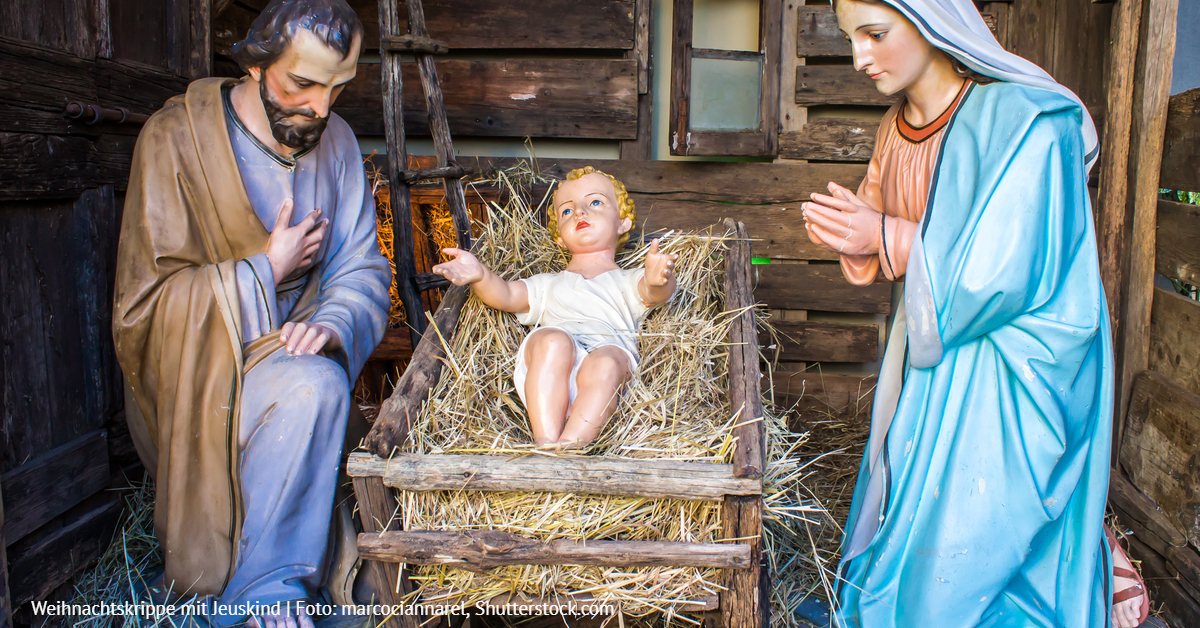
(487, 549)
(411, 43)
(655, 479)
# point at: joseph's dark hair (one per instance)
(333, 21)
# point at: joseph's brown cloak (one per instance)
(177, 322)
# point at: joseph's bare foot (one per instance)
(288, 617)
(1125, 614)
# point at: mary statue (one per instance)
(981, 496)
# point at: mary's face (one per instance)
(886, 46)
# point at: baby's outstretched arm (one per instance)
(658, 284)
(466, 269)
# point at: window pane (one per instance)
(725, 95)
(725, 24)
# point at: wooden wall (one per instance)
(63, 437)
(524, 68)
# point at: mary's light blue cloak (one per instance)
(981, 497)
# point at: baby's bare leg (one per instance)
(549, 357)
(600, 378)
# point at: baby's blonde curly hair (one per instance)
(624, 203)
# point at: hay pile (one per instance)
(676, 407)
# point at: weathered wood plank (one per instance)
(5, 601)
(48, 486)
(567, 98)
(1140, 513)
(1175, 339)
(658, 479)
(819, 35)
(1179, 607)
(837, 85)
(53, 560)
(824, 341)
(831, 139)
(818, 287)
(607, 24)
(58, 166)
(376, 506)
(1185, 562)
(745, 603)
(765, 197)
(744, 396)
(480, 550)
(1181, 145)
(817, 396)
(1178, 254)
(1160, 449)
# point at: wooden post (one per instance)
(745, 395)
(1144, 36)
(397, 154)
(5, 602)
(375, 508)
(643, 42)
(439, 127)
(746, 602)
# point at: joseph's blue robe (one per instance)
(981, 496)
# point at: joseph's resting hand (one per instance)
(290, 248)
(302, 338)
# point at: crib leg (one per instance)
(375, 508)
(746, 601)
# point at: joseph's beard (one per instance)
(299, 136)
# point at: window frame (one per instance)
(764, 141)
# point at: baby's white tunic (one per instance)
(601, 311)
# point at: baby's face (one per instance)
(589, 218)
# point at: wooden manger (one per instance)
(388, 549)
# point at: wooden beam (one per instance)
(824, 341)
(1175, 339)
(397, 412)
(480, 550)
(818, 287)
(1139, 512)
(51, 484)
(53, 560)
(746, 601)
(376, 508)
(819, 35)
(642, 146)
(412, 43)
(817, 396)
(694, 195)
(1181, 145)
(1160, 449)
(587, 475)
(837, 85)
(1177, 254)
(565, 98)
(5, 601)
(533, 24)
(1151, 89)
(831, 139)
(749, 457)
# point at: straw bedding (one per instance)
(676, 407)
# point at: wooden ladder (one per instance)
(376, 502)
(392, 44)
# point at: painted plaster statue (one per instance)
(250, 291)
(570, 369)
(982, 491)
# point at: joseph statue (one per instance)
(250, 291)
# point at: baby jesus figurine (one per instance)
(583, 347)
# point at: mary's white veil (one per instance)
(956, 27)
